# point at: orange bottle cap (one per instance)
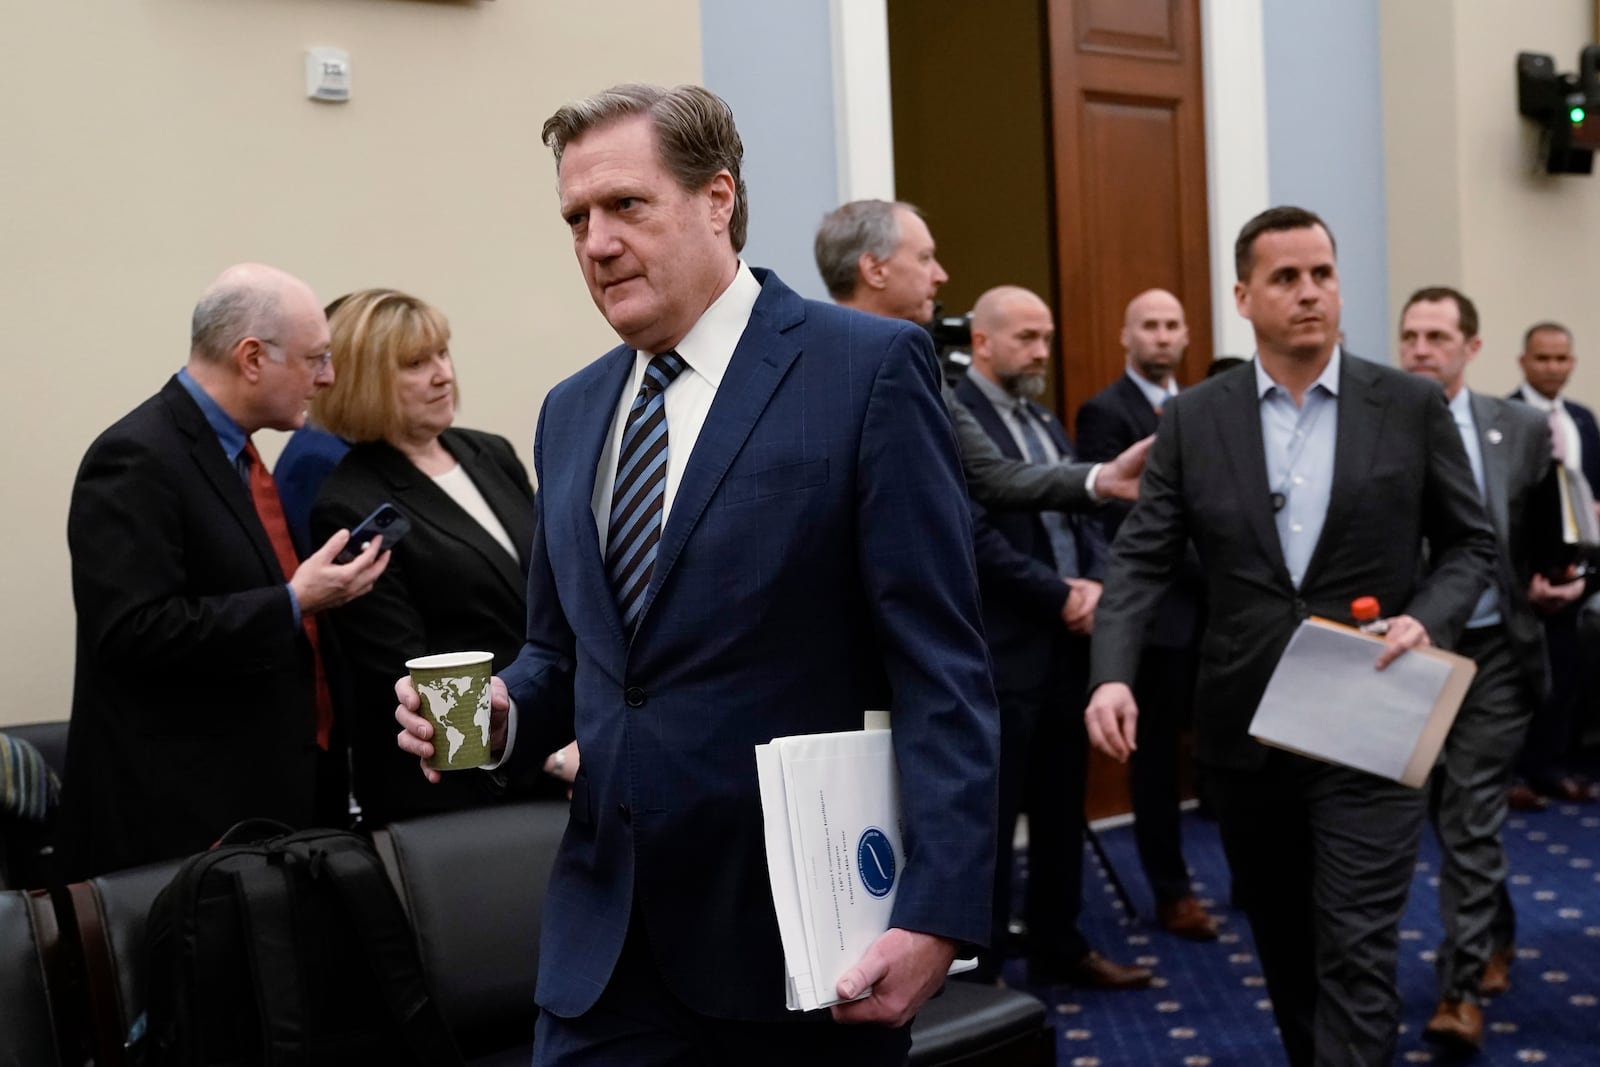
(1364, 608)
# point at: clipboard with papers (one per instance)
(1326, 701)
(831, 805)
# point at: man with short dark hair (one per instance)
(200, 696)
(1304, 483)
(752, 525)
(1154, 337)
(1543, 771)
(1508, 446)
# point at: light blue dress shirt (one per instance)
(1487, 611)
(1156, 394)
(232, 438)
(1299, 443)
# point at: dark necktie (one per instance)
(269, 508)
(1063, 544)
(636, 496)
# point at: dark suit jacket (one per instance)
(1400, 476)
(192, 704)
(1109, 422)
(449, 587)
(1588, 435)
(302, 467)
(816, 562)
(1022, 590)
(1515, 442)
(998, 480)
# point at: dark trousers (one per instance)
(638, 1021)
(1044, 760)
(1552, 733)
(1322, 859)
(1163, 689)
(1467, 805)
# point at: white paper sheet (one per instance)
(831, 804)
(1326, 700)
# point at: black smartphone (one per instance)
(387, 520)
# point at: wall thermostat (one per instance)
(328, 74)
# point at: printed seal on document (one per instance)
(875, 861)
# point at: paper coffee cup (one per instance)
(454, 690)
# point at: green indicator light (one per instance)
(1576, 114)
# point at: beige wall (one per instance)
(1469, 204)
(148, 145)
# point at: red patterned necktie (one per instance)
(264, 493)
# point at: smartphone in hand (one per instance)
(387, 521)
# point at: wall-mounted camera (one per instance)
(1566, 107)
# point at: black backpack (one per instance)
(286, 949)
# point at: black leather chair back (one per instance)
(473, 883)
(109, 915)
(28, 936)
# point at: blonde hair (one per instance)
(374, 331)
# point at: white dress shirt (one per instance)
(706, 349)
(1572, 453)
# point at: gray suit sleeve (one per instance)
(1004, 484)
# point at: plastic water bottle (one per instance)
(1365, 610)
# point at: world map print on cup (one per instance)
(454, 690)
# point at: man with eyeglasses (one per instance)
(200, 695)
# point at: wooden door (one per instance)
(1128, 152)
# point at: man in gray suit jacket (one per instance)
(1305, 482)
(1508, 445)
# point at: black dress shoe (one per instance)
(1093, 971)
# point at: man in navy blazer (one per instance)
(814, 560)
(1038, 573)
(1547, 361)
(1154, 336)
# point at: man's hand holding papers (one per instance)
(1404, 634)
(903, 968)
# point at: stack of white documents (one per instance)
(832, 808)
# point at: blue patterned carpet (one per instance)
(1209, 1005)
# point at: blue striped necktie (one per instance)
(636, 496)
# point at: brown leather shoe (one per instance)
(1457, 1025)
(1496, 978)
(1187, 918)
(1574, 789)
(1521, 797)
(1094, 971)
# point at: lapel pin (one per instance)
(1494, 436)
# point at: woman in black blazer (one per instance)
(458, 580)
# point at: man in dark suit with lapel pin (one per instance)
(1039, 577)
(1508, 446)
(752, 524)
(1305, 482)
(1547, 362)
(200, 696)
(1154, 336)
